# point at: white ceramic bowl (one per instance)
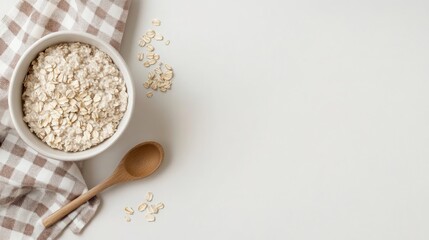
(16, 87)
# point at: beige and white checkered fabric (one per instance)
(31, 186)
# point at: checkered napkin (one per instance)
(31, 186)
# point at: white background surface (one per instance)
(288, 120)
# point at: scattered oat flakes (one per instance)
(159, 78)
(160, 205)
(129, 210)
(152, 209)
(154, 86)
(149, 217)
(156, 22)
(158, 70)
(159, 37)
(168, 67)
(150, 33)
(142, 43)
(149, 196)
(140, 56)
(142, 207)
(168, 75)
(150, 55)
(150, 75)
(146, 39)
(150, 48)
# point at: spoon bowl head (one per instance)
(143, 159)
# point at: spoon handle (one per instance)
(62, 212)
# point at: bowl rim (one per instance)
(97, 149)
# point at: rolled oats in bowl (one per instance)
(74, 96)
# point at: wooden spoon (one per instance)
(141, 161)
